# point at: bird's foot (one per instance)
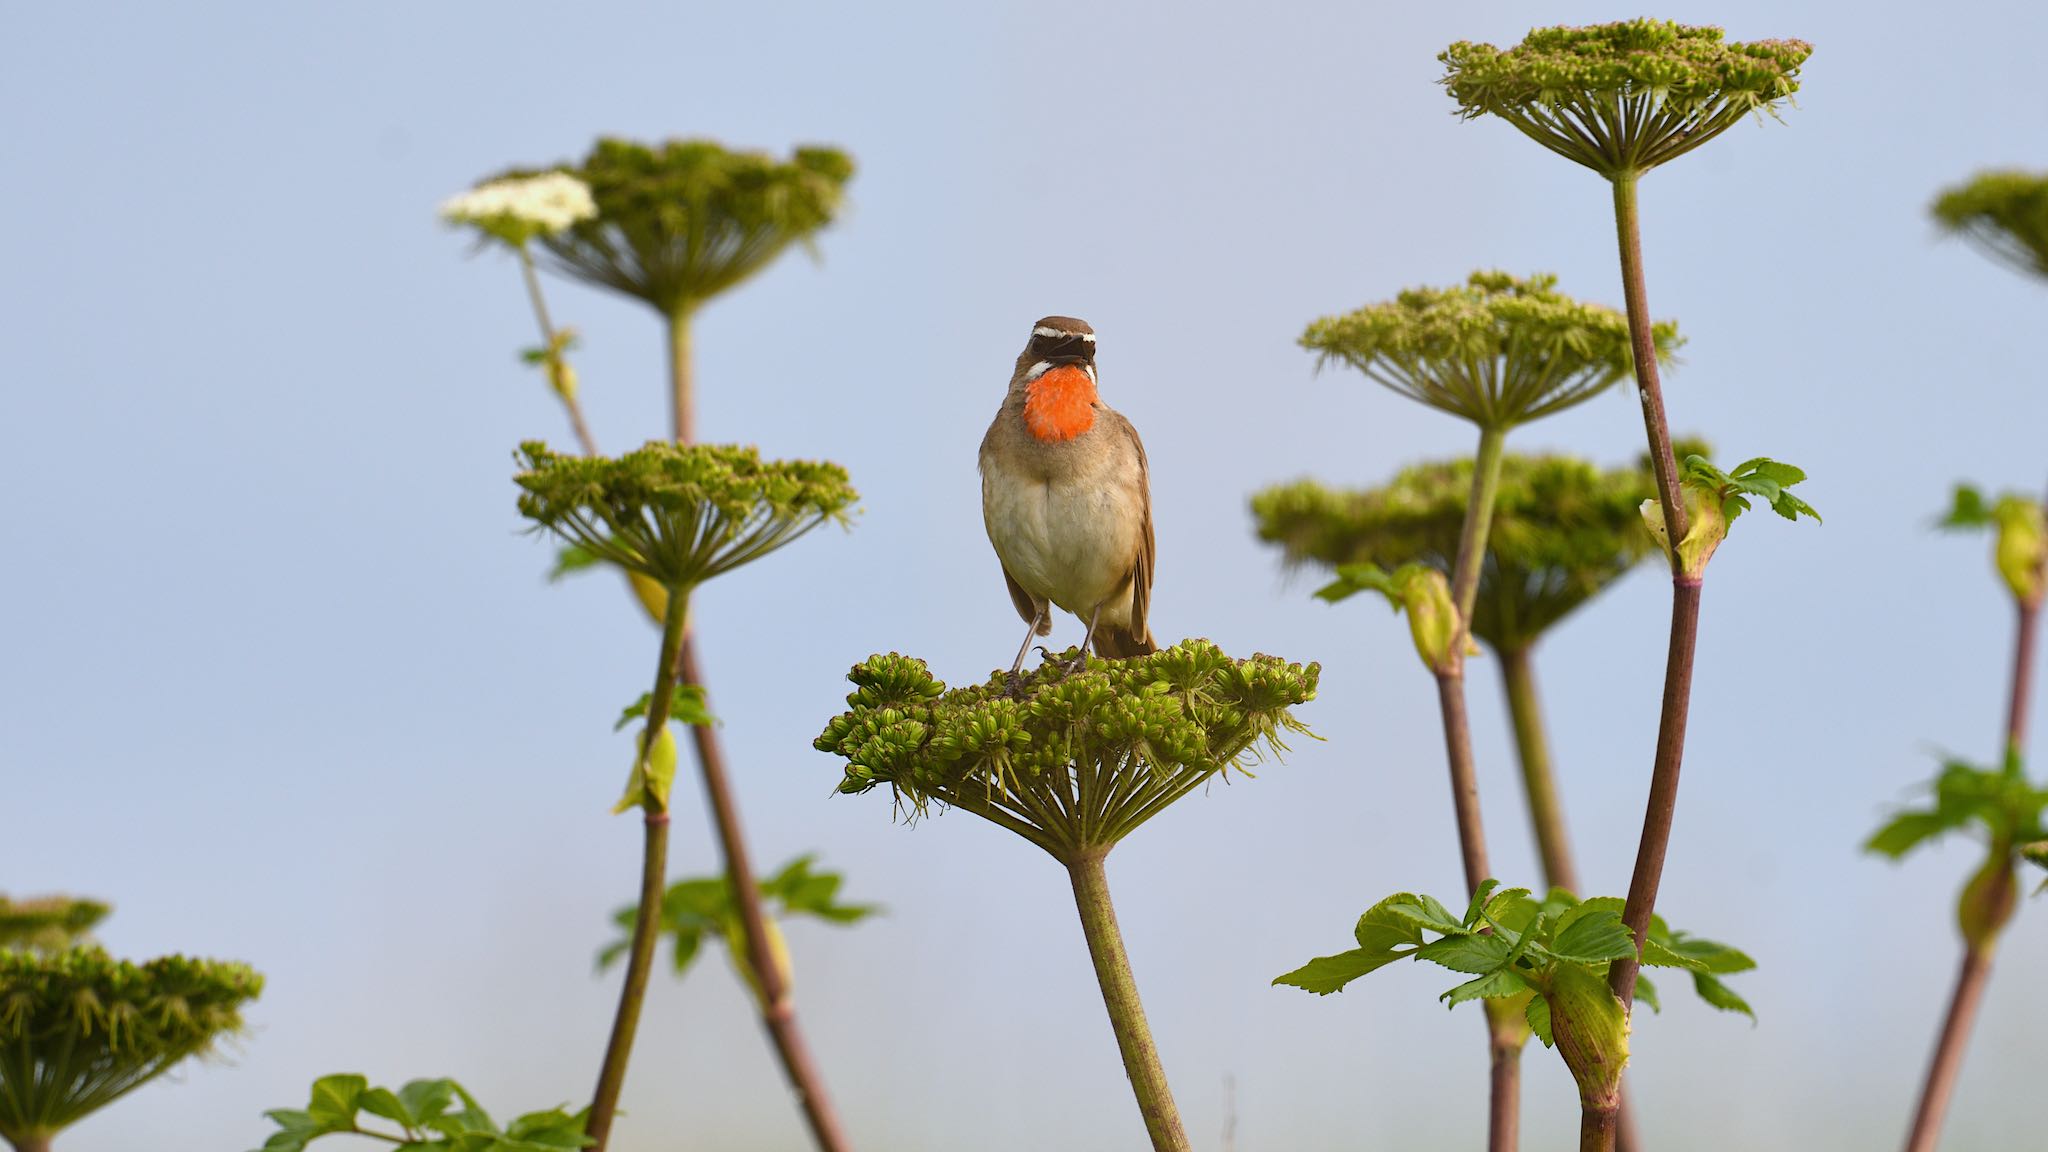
(1013, 685)
(1078, 664)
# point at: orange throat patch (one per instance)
(1060, 404)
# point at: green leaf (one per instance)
(336, 1099)
(1592, 935)
(1538, 1013)
(1710, 956)
(1908, 830)
(1477, 907)
(685, 707)
(1326, 974)
(1400, 919)
(1470, 954)
(1505, 982)
(1716, 993)
(1968, 509)
(571, 559)
(1646, 993)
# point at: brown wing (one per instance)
(1028, 606)
(1141, 572)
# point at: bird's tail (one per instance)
(1121, 643)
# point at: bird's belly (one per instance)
(1072, 541)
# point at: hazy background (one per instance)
(283, 680)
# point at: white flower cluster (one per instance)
(548, 203)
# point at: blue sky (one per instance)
(283, 680)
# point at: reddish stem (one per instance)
(1948, 1051)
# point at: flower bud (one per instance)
(653, 775)
(778, 950)
(1432, 617)
(562, 378)
(1988, 900)
(652, 596)
(1708, 527)
(2022, 545)
(1590, 1028)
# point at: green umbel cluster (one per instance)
(677, 514)
(1563, 530)
(1625, 97)
(79, 1029)
(679, 222)
(1497, 350)
(1071, 762)
(2004, 213)
(48, 923)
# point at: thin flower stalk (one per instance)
(1622, 99)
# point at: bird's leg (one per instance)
(1017, 666)
(1081, 660)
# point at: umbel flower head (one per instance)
(679, 514)
(79, 1029)
(679, 222)
(2004, 213)
(48, 923)
(1497, 350)
(1563, 530)
(1623, 98)
(1071, 762)
(517, 209)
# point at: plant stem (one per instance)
(653, 876)
(1597, 1128)
(682, 379)
(778, 1008)
(1532, 745)
(1120, 996)
(1505, 1080)
(1643, 342)
(1948, 1051)
(1685, 600)
(2022, 678)
(35, 1142)
(1504, 1111)
(1976, 967)
(547, 336)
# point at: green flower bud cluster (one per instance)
(677, 514)
(679, 222)
(2003, 212)
(2020, 548)
(1071, 762)
(79, 1029)
(1624, 97)
(1563, 530)
(1497, 350)
(48, 923)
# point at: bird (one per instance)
(1066, 498)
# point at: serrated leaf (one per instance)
(1657, 954)
(1400, 919)
(1595, 936)
(1326, 974)
(1712, 956)
(1765, 468)
(1490, 986)
(1477, 906)
(1646, 993)
(336, 1097)
(1718, 994)
(1539, 1020)
(1469, 954)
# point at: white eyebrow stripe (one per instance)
(1037, 370)
(1043, 330)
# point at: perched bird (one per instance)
(1066, 497)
